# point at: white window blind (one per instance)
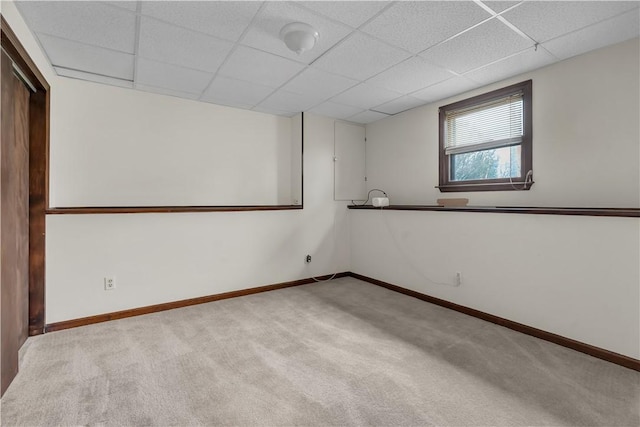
(493, 124)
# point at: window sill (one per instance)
(165, 209)
(611, 212)
(486, 186)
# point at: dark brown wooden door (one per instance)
(14, 220)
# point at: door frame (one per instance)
(39, 105)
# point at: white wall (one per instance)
(585, 138)
(113, 146)
(166, 257)
(574, 276)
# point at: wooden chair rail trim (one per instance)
(165, 209)
(529, 210)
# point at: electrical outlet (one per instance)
(458, 278)
(109, 283)
(308, 259)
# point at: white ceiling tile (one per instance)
(82, 57)
(408, 76)
(517, 64)
(499, 6)
(259, 67)
(365, 96)
(264, 33)
(225, 19)
(352, 13)
(165, 91)
(183, 43)
(92, 23)
(442, 90)
(226, 90)
(360, 57)
(96, 78)
(287, 101)
(318, 84)
(167, 76)
(544, 20)
(399, 105)
(417, 25)
(480, 46)
(367, 117)
(174, 45)
(622, 27)
(129, 5)
(338, 111)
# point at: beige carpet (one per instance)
(338, 353)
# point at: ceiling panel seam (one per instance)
(455, 36)
(233, 49)
(90, 72)
(611, 18)
(136, 47)
(80, 42)
(502, 59)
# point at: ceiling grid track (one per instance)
(137, 44)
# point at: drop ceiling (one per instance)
(373, 58)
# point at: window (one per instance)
(485, 141)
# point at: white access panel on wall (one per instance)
(349, 162)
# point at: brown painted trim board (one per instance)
(58, 326)
(445, 182)
(165, 209)
(38, 172)
(11, 44)
(600, 353)
(529, 210)
(39, 104)
(38, 201)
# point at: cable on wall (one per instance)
(528, 178)
(334, 256)
(369, 196)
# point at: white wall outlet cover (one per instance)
(109, 283)
(380, 202)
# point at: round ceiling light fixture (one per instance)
(299, 37)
